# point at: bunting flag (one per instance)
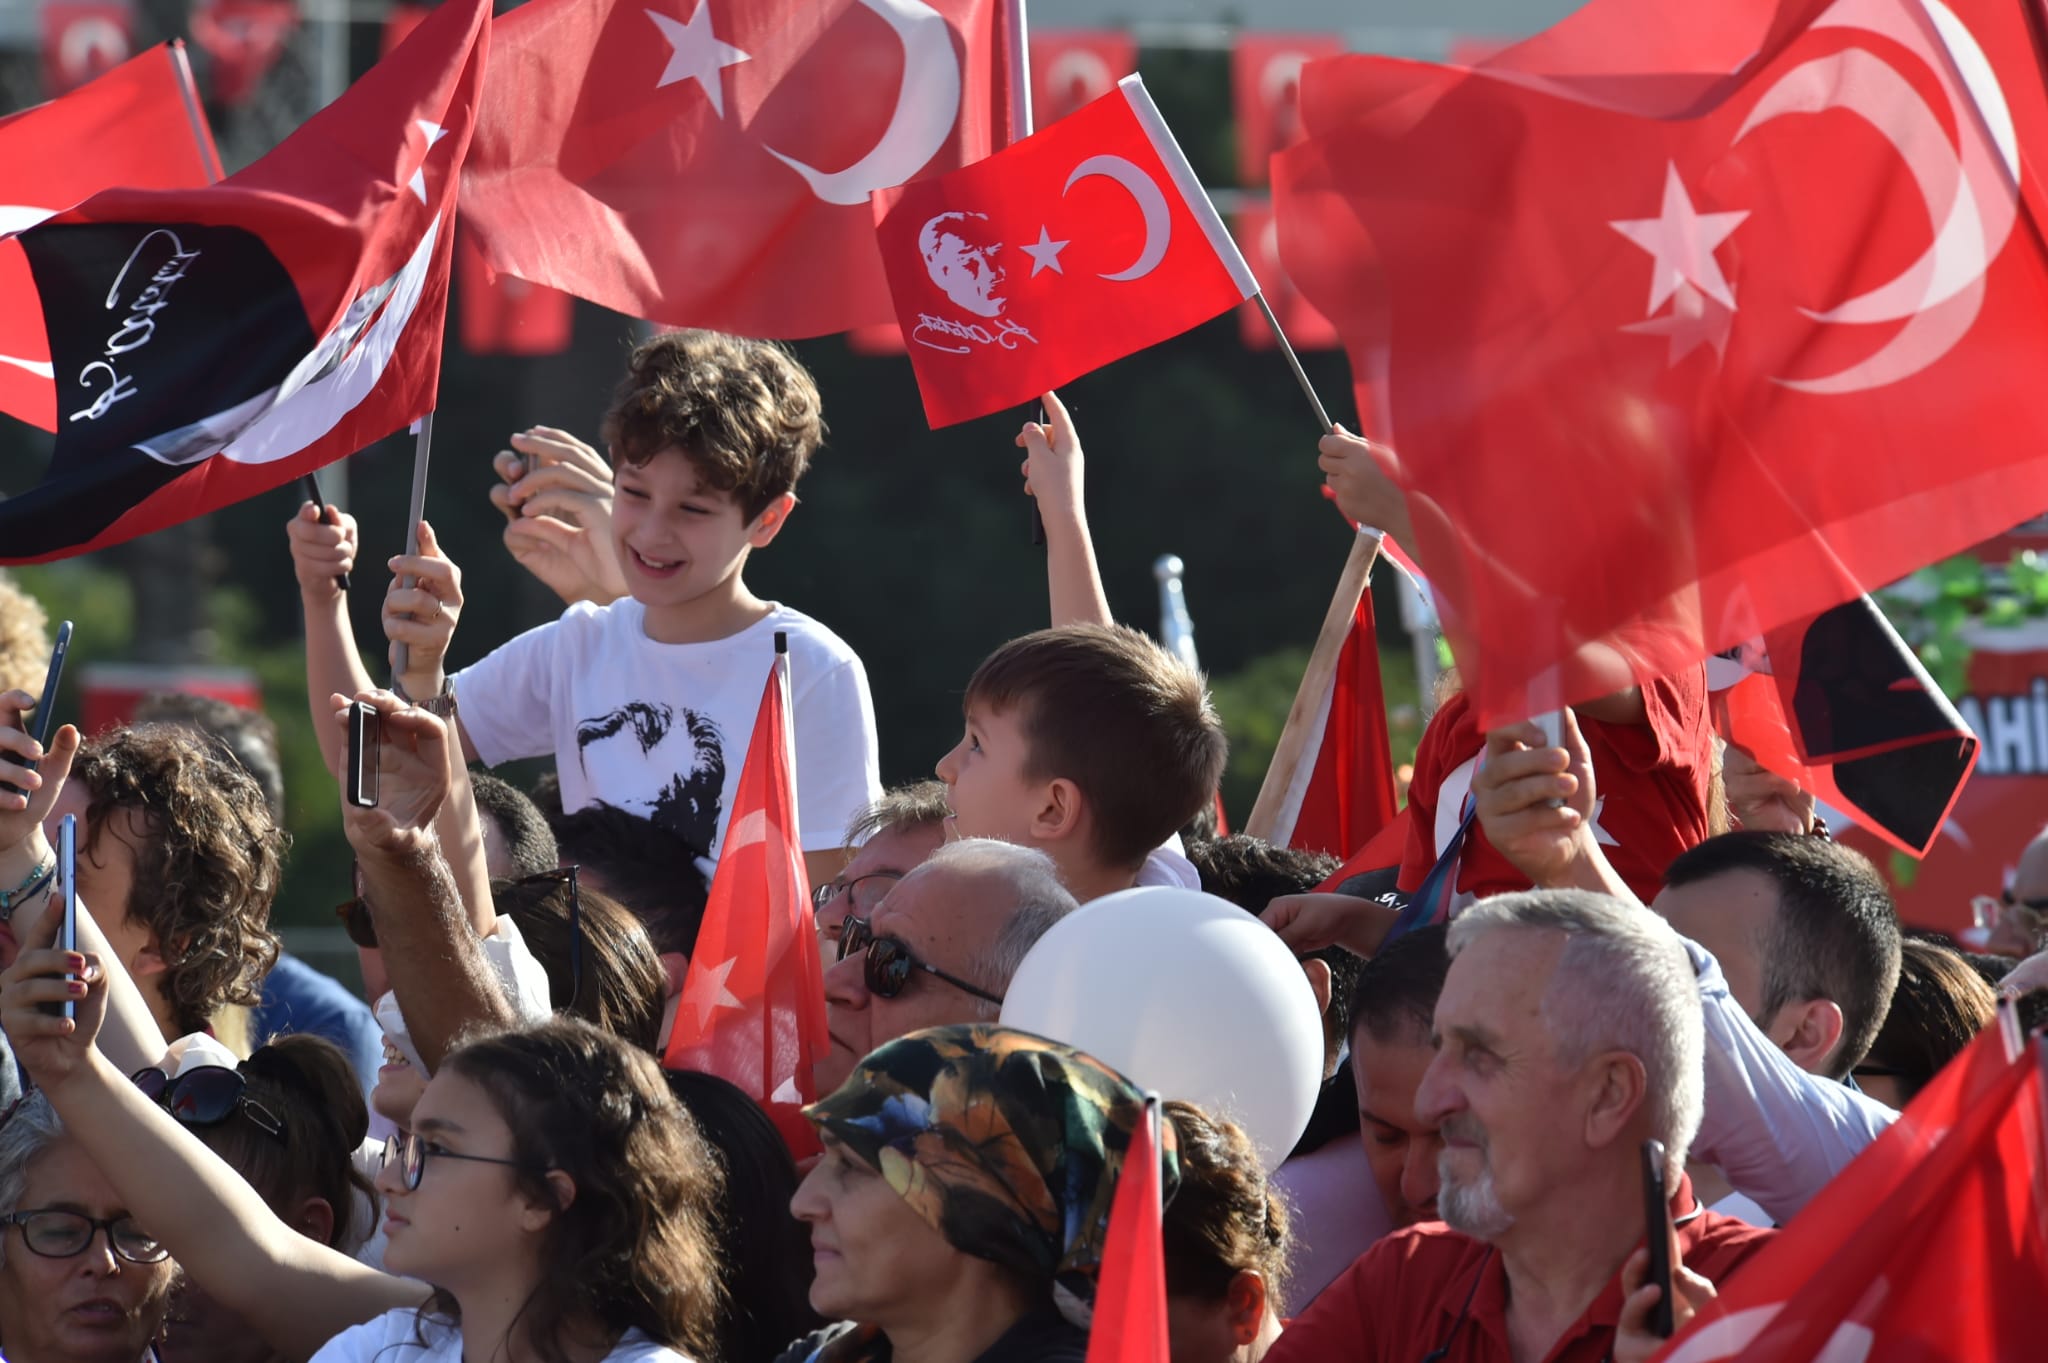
(1055, 256)
(84, 39)
(1689, 321)
(1265, 89)
(1258, 232)
(244, 38)
(1072, 68)
(708, 162)
(139, 125)
(209, 344)
(1932, 1245)
(752, 1007)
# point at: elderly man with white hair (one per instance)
(939, 949)
(1568, 1033)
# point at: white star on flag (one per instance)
(434, 133)
(1682, 241)
(706, 992)
(1694, 320)
(1601, 835)
(697, 54)
(1046, 254)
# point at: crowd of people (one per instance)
(223, 1153)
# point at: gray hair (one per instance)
(923, 804)
(1624, 983)
(31, 1130)
(1034, 895)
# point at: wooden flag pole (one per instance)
(1280, 794)
(423, 443)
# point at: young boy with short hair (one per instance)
(647, 703)
(1093, 744)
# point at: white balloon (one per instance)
(1185, 994)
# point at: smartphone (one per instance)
(1657, 1225)
(46, 700)
(365, 733)
(67, 898)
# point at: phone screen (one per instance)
(365, 732)
(46, 700)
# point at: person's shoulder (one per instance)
(809, 640)
(1430, 1254)
(638, 1348)
(1716, 1245)
(421, 1338)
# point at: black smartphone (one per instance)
(66, 887)
(1657, 1225)
(46, 700)
(365, 733)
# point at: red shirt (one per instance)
(1429, 1287)
(1651, 780)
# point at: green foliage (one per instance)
(1936, 608)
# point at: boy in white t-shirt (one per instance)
(647, 703)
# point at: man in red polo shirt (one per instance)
(1568, 1032)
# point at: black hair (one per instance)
(1395, 996)
(527, 835)
(621, 988)
(643, 866)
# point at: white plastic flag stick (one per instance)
(423, 442)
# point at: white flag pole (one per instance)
(423, 442)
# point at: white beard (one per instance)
(1472, 1207)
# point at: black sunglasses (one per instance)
(889, 963)
(206, 1096)
(560, 875)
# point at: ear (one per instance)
(534, 1216)
(1061, 812)
(1619, 1086)
(149, 959)
(1809, 1032)
(1318, 973)
(1245, 1303)
(769, 523)
(315, 1220)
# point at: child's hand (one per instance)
(556, 495)
(423, 616)
(413, 779)
(1360, 478)
(51, 1048)
(1053, 470)
(322, 550)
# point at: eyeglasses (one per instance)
(206, 1096)
(410, 1153)
(65, 1235)
(865, 901)
(889, 963)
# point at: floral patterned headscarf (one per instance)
(1009, 1145)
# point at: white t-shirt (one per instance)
(397, 1332)
(662, 729)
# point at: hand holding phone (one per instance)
(365, 736)
(46, 699)
(1657, 1226)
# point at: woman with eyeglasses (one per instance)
(959, 1211)
(81, 1281)
(550, 1202)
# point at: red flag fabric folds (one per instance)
(1673, 359)
(1129, 1325)
(1123, 250)
(137, 125)
(1931, 1246)
(212, 343)
(1259, 234)
(504, 315)
(752, 1010)
(708, 162)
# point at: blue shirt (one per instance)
(298, 998)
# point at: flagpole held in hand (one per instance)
(311, 483)
(1017, 55)
(401, 656)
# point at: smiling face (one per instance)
(682, 543)
(94, 1307)
(985, 777)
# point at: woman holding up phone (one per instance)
(551, 1197)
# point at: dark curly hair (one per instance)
(1225, 1219)
(635, 1248)
(743, 412)
(207, 867)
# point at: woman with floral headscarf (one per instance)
(959, 1211)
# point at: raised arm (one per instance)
(556, 494)
(432, 944)
(1054, 474)
(323, 550)
(296, 1292)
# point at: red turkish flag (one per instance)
(1265, 87)
(1674, 359)
(140, 124)
(1930, 1247)
(398, 26)
(1129, 1325)
(1123, 250)
(504, 315)
(752, 1010)
(1350, 792)
(244, 38)
(708, 162)
(83, 39)
(1259, 234)
(1072, 68)
(212, 343)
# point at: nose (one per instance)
(390, 1180)
(846, 983)
(1437, 1096)
(949, 765)
(809, 1204)
(1419, 1173)
(99, 1259)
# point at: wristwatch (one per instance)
(441, 705)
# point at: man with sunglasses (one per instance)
(891, 837)
(940, 947)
